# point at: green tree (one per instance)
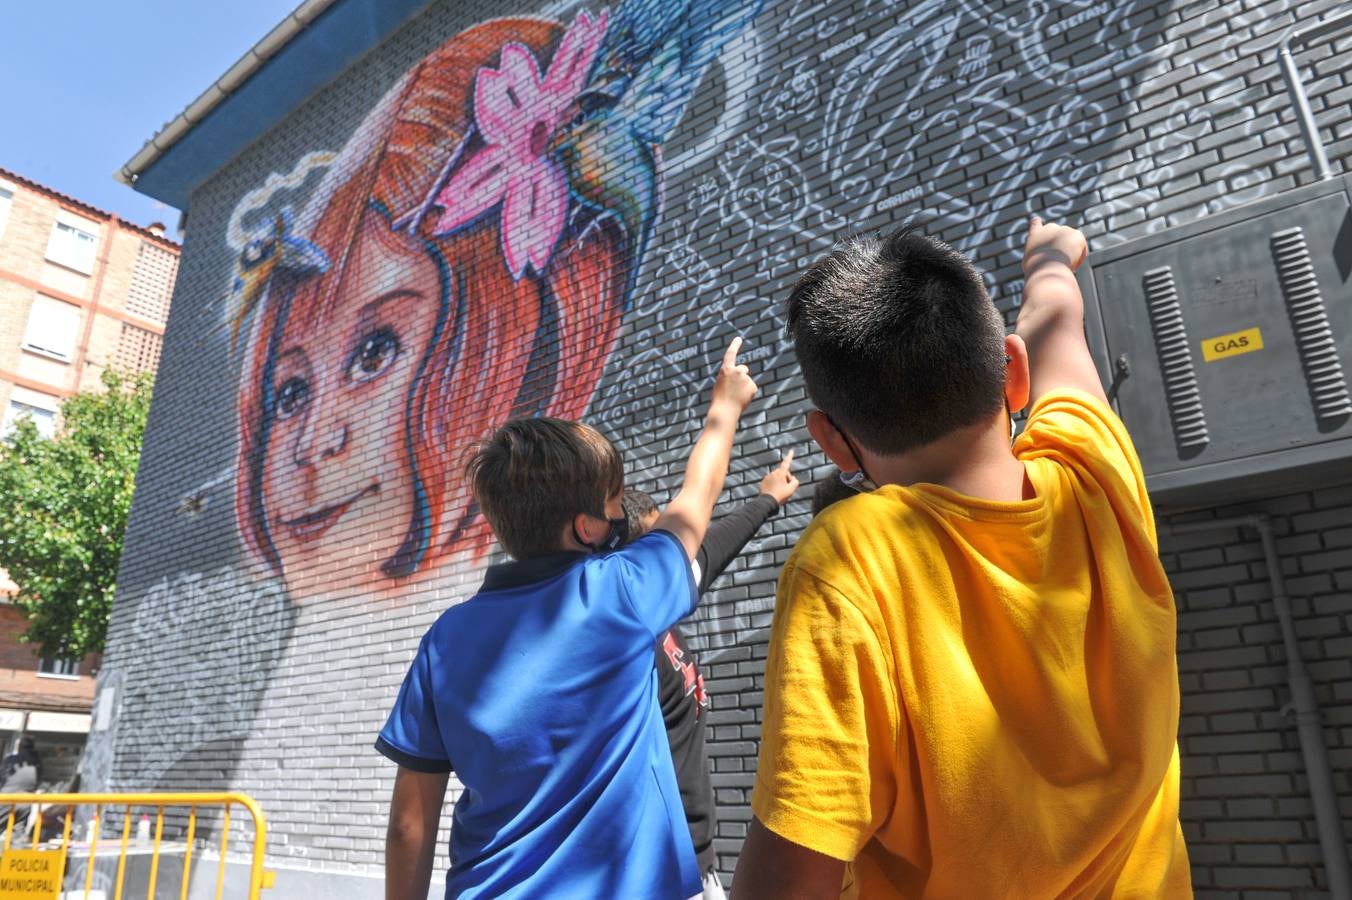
(63, 511)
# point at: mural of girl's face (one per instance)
(337, 486)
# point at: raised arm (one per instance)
(1051, 320)
(687, 515)
(729, 534)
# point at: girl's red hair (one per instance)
(502, 348)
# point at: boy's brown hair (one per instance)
(533, 475)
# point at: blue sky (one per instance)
(84, 83)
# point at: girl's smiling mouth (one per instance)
(308, 526)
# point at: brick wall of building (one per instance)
(23, 689)
(1246, 807)
(239, 656)
(14, 655)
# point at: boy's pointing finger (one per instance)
(788, 461)
(730, 357)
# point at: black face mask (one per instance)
(860, 480)
(617, 537)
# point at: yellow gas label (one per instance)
(1228, 345)
(31, 874)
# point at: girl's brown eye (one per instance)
(291, 397)
(373, 355)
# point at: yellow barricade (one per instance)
(36, 871)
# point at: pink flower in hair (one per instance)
(517, 113)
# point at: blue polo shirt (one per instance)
(540, 692)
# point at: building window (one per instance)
(56, 667)
(44, 419)
(53, 327)
(72, 246)
(6, 198)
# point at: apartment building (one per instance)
(81, 290)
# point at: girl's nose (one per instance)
(324, 436)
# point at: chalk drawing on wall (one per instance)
(880, 114)
(468, 256)
(205, 645)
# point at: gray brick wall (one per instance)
(1246, 806)
(819, 120)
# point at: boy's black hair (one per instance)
(533, 475)
(637, 505)
(898, 341)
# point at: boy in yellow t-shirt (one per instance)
(972, 690)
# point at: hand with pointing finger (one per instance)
(1049, 242)
(687, 515)
(781, 482)
(733, 387)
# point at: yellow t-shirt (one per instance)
(974, 699)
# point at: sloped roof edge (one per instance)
(304, 52)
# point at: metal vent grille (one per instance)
(1310, 322)
(1171, 342)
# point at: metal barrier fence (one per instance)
(39, 869)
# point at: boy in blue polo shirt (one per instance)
(539, 691)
